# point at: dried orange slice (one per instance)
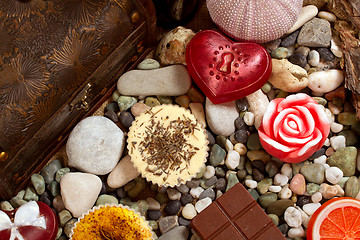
(338, 218)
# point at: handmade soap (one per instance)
(225, 70)
(235, 215)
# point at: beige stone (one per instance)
(258, 103)
(197, 109)
(287, 76)
(123, 173)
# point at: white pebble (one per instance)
(335, 49)
(228, 145)
(327, 143)
(321, 159)
(173, 194)
(275, 189)
(340, 191)
(314, 58)
(337, 142)
(334, 175)
(218, 194)
(195, 192)
(189, 211)
(249, 118)
(329, 115)
(202, 204)
(336, 127)
(325, 81)
(210, 171)
(240, 148)
(285, 192)
(232, 160)
(334, 109)
(327, 15)
(305, 218)
(286, 170)
(251, 183)
(310, 208)
(280, 179)
(292, 217)
(326, 166)
(306, 14)
(316, 197)
(296, 232)
(153, 204)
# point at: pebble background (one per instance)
(289, 193)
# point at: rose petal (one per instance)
(290, 130)
(307, 119)
(5, 222)
(270, 115)
(293, 140)
(295, 100)
(317, 138)
(274, 143)
(278, 122)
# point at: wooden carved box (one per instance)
(58, 59)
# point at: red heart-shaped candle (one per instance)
(31, 221)
(225, 70)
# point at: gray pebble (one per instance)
(314, 173)
(279, 206)
(211, 138)
(173, 207)
(58, 204)
(298, 59)
(193, 183)
(352, 187)
(69, 225)
(168, 223)
(113, 107)
(38, 182)
(48, 172)
(184, 222)
(110, 114)
(186, 198)
(302, 200)
(263, 185)
(325, 54)
(64, 217)
(312, 188)
(183, 188)
(219, 172)
(241, 136)
(105, 198)
(120, 192)
(178, 233)
(211, 181)
(30, 194)
(284, 228)
(46, 198)
(6, 206)
(154, 214)
(260, 165)
(290, 40)
(221, 140)
(253, 142)
(125, 102)
(60, 173)
(279, 53)
(242, 173)
(254, 194)
(271, 168)
(242, 104)
(257, 175)
(232, 180)
(240, 123)
(148, 64)
(220, 184)
(126, 119)
(217, 155)
(54, 188)
(208, 193)
(143, 207)
(266, 199)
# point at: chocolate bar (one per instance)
(235, 215)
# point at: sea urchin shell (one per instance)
(254, 20)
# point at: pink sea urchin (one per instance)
(254, 20)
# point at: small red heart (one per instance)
(31, 221)
(225, 70)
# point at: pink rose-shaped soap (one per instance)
(293, 128)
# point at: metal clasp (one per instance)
(82, 99)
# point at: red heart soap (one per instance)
(31, 221)
(225, 70)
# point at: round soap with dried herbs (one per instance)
(167, 145)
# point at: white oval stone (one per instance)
(338, 142)
(306, 14)
(285, 192)
(336, 127)
(123, 173)
(322, 159)
(249, 118)
(153, 204)
(310, 208)
(95, 145)
(327, 15)
(325, 81)
(280, 179)
(286, 170)
(195, 192)
(251, 183)
(258, 103)
(228, 145)
(202, 204)
(173, 194)
(314, 58)
(232, 159)
(167, 81)
(210, 171)
(333, 175)
(189, 211)
(335, 48)
(316, 197)
(221, 117)
(275, 189)
(292, 217)
(298, 232)
(79, 191)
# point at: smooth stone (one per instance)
(314, 58)
(337, 142)
(138, 188)
(69, 226)
(327, 15)
(153, 224)
(183, 101)
(115, 97)
(168, 223)
(258, 155)
(189, 211)
(152, 102)
(352, 187)
(126, 102)
(217, 155)
(184, 222)
(335, 47)
(178, 233)
(333, 175)
(167, 81)
(210, 171)
(154, 214)
(6, 206)
(232, 159)
(30, 194)
(195, 95)
(64, 217)
(347, 118)
(279, 53)
(186, 198)
(258, 103)
(58, 204)
(306, 13)
(274, 218)
(292, 217)
(202, 204)
(197, 109)
(315, 33)
(241, 136)
(46, 198)
(183, 188)
(210, 137)
(278, 207)
(232, 180)
(325, 54)
(95, 145)
(105, 198)
(54, 188)
(298, 184)
(139, 108)
(194, 183)
(220, 184)
(351, 138)
(302, 200)
(221, 117)
(143, 207)
(38, 182)
(289, 40)
(173, 194)
(120, 192)
(312, 188)
(60, 173)
(79, 191)
(310, 208)
(173, 207)
(263, 185)
(123, 173)
(328, 191)
(298, 59)
(148, 64)
(271, 168)
(240, 148)
(345, 160)
(288, 76)
(153, 204)
(325, 81)
(266, 199)
(126, 119)
(314, 173)
(49, 171)
(208, 193)
(242, 104)
(253, 142)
